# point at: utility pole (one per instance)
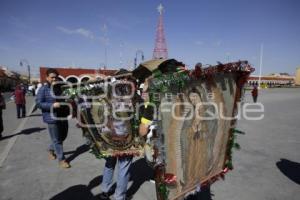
(260, 64)
(22, 63)
(105, 38)
(138, 52)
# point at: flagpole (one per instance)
(22, 61)
(260, 64)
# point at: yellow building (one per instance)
(297, 82)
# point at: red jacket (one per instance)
(19, 96)
(254, 92)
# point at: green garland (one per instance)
(86, 90)
(232, 144)
(163, 190)
(96, 153)
(163, 83)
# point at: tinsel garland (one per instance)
(89, 90)
(106, 154)
(163, 83)
(163, 190)
(232, 144)
(95, 152)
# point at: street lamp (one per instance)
(136, 55)
(24, 62)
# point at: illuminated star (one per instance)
(160, 9)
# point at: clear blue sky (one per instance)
(72, 33)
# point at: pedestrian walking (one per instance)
(39, 85)
(54, 113)
(20, 101)
(254, 93)
(2, 107)
(36, 91)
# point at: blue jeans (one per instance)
(122, 178)
(21, 108)
(58, 133)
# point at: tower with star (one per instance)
(160, 50)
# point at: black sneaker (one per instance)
(104, 196)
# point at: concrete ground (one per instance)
(266, 168)
(268, 165)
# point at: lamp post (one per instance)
(24, 62)
(136, 55)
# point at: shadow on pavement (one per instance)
(35, 115)
(27, 131)
(290, 169)
(205, 194)
(79, 192)
(140, 172)
(79, 150)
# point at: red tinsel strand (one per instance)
(225, 170)
(170, 179)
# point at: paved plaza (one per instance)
(266, 168)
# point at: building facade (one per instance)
(297, 81)
(273, 80)
(76, 75)
(9, 79)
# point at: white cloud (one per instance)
(64, 30)
(85, 33)
(80, 31)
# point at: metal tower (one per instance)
(160, 50)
